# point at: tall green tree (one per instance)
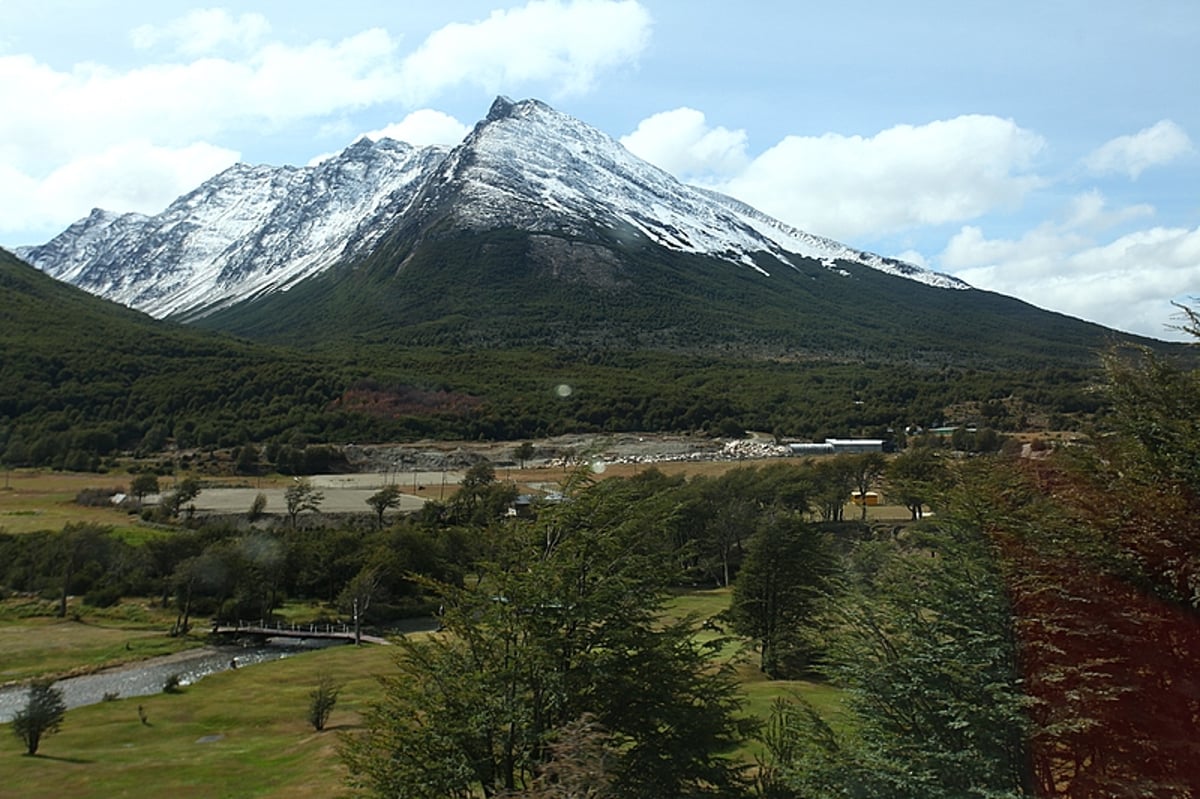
(915, 478)
(481, 499)
(787, 569)
(143, 484)
(833, 480)
(78, 543)
(357, 596)
(931, 661)
(567, 622)
(523, 453)
(865, 468)
(184, 494)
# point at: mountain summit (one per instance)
(252, 231)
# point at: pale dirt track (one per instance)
(343, 493)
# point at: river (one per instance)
(147, 677)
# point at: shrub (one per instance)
(96, 497)
(104, 596)
(322, 700)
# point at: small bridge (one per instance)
(261, 629)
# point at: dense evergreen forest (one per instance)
(1034, 636)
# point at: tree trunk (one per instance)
(68, 573)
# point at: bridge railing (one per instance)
(292, 627)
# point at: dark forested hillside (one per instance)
(507, 288)
(81, 378)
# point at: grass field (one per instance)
(34, 643)
(239, 733)
(33, 500)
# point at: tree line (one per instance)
(57, 412)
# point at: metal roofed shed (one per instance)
(838, 446)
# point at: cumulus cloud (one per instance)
(424, 127)
(204, 31)
(682, 143)
(1159, 144)
(903, 177)
(420, 129)
(1090, 210)
(914, 257)
(1126, 282)
(66, 114)
(563, 44)
(131, 176)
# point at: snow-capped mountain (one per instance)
(254, 230)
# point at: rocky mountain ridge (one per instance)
(253, 231)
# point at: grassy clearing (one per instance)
(758, 690)
(240, 733)
(34, 500)
(35, 643)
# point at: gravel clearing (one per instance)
(432, 470)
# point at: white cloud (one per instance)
(682, 143)
(1127, 283)
(903, 177)
(564, 45)
(203, 31)
(1159, 144)
(424, 127)
(91, 108)
(1090, 210)
(420, 129)
(132, 176)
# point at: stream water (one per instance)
(149, 676)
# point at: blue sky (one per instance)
(1046, 150)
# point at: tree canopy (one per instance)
(565, 624)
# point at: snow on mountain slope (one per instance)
(252, 230)
(246, 231)
(530, 166)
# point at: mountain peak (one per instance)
(501, 108)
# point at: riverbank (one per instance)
(150, 676)
(35, 643)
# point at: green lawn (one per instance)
(240, 733)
